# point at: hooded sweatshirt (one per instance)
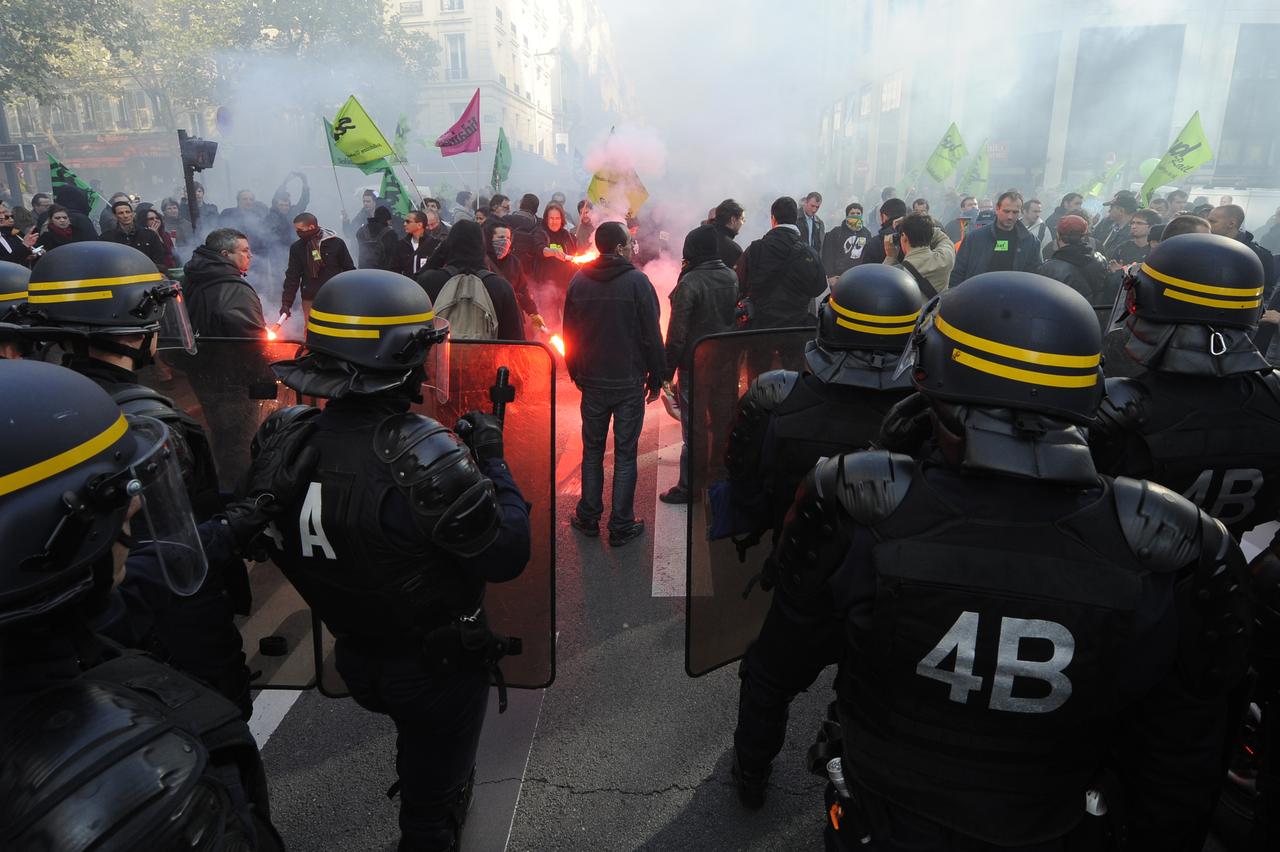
(612, 336)
(312, 262)
(781, 276)
(704, 300)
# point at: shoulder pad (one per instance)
(142, 400)
(1161, 527)
(279, 421)
(1126, 403)
(770, 389)
(870, 485)
(413, 444)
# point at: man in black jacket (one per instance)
(614, 352)
(780, 273)
(1077, 265)
(318, 255)
(528, 239)
(891, 210)
(842, 248)
(463, 252)
(220, 302)
(727, 220)
(378, 244)
(1228, 221)
(809, 222)
(703, 302)
(128, 233)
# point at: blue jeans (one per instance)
(626, 407)
(438, 718)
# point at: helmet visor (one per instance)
(1123, 305)
(437, 363)
(164, 526)
(910, 354)
(175, 324)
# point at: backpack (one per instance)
(464, 301)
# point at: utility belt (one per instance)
(855, 818)
(467, 642)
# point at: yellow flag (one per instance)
(947, 155)
(608, 187)
(1187, 153)
(355, 135)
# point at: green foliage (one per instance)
(36, 34)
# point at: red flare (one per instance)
(272, 334)
(558, 342)
(585, 257)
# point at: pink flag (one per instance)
(464, 136)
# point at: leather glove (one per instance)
(482, 433)
(276, 478)
(907, 425)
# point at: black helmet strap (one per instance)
(141, 355)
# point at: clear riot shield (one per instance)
(228, 387)
(524, 607)
(724, 609)
(1115, 362)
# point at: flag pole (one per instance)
(412, 182)
(341, 201)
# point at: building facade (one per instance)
(1056, 94)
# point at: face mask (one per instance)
(971, 213)
(306, 235)
(500, 246)
(854, 222)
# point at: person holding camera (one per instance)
(923, 250)
(891, 210)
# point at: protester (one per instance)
(377, 241)
(1007, 245)
(559, 198)
(498, 257)
(557, 258)
(1070, 204)
(920, 205)
(842, 248)
(415, 247)
(958, 227)
(1076, 264)
(499, 205)
(14, 247)
(351, 229)
(220, 302)
(1039, 228)
(728, 219)
(1184, 223)
(586, 227)
(247, 217)
(1160, 206)
(206, 212)
(77, 203)
(528, 238)
(463, 254)
(129, 233)
(107, 218)
(891, 210)
(57, 230)
(1134, 249)
(810, 223)
(885, 194)
(151, 218)
(703, 302)
(779, 274)
(1113, 229)
(464, 207)
(926, 253)
(1228, 221)
(316, 256)
(179, 229)
(40, 204)
(613, 350)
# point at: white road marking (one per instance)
(542, 695)
(669, 521)
(269, 709)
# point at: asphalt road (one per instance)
(623, 752)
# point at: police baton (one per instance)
(500, 393)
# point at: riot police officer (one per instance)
(106, 304)
(1026, 643)
(785, 422)
(1203, 418)
(397, 534)
(103, 748)
(13, 300)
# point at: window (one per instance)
(452, 5)
(891, 93)
(864, 109)
(497, 13)
(456, 52)
(414, 8)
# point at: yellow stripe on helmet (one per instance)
(63, 461)
(1030, 377)
(355, 320)
(10, 297)
(1200, 288)
(1212, 303)
(854, 315)
(875, 329)
(91, 296)
(329, 331)
(95, 282)
(1048, 359)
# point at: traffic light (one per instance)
(197, 154)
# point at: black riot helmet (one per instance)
(872, 307)
(13, 299)
(1011, 340)
(71, 465)
(1199, 279)
(369, 330)
(95, 291)
(91, 764)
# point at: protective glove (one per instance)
(276, 478)
(907, 425)
(482, 433)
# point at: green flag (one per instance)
(1187, 153)
(947, 155)
(401, 136)
(1095, 188)
(501, 161)
(974, 180)
(60, 176)
(355, 135)
(393, 191)
(340, 159)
